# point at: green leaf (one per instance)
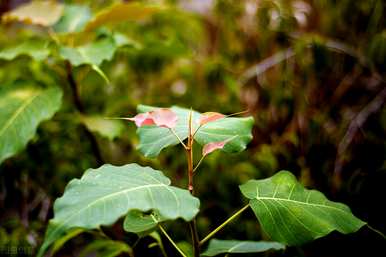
(35, 48)
(105, 194)
(93, 53)
(105, 248)
(60, 242)
(109, 129)
(234, 246)
(141, 223)
(22, 109)
(293, 215)
(122, 12)
(45, 13)
(74, 19)
(154, 139)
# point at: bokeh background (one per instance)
(311, 73)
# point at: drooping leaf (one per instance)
(105, 194)
(45, 13)
(217, 247)
(35, 48)
(74, 19)
(109, 129)
(293, 215)
(60, 242)
(153, 139)
(105, 248)
(22, 109)
(122, 12)
(141, 223)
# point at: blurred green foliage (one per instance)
(312, 73)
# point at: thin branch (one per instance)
(171, 240)
(223, 224)
(179, 139)
(79, 106)
(198, 164)
(356, 123)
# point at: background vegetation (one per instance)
(312, 73)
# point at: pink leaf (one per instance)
(165, 118)
(210, 147)
(209, 117)
(142, 119)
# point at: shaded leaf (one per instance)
(105, 194)
(68, 236)
(109, 129)
(217, 247)
(105, 248)
(141, 223)
(45, 13)
(74, 19)
(293, 215)
(22, 109)
(153, 139)
(122, 12)
(35, 48)
(93, 53)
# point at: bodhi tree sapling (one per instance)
(288, 213)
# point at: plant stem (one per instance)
(192, 224)
(80, 108)
(179, 139)
(171, 240)
(376, 231)
(223, 224)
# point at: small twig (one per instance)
(198, 164)
(179, 139)
(356, 123)
(376, 231)
(223, 224)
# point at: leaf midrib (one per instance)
(18, 112)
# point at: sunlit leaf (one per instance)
(110, 129)
(45, 13)
(105, 194)
(153, 139)
(217, 247)
(22, 109)
(122, 12)
(74, 19)
(293, 215)
(35, 48)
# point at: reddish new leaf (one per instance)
(209, 117)
(161, 117)
(210, 147)
(165, 118)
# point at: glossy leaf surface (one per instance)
(293, 215)
(105, 194)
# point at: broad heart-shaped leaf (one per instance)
(22, 109)
(35, 48)
(74, 19)
(105, 194)
(153, 139)
(234, 246)
(45, 13)
(293, 215)
(122, 12)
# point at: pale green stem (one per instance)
(376, 231)
(223, 224)
(171, 241)
(198, 164)
(168, 237)
(179, 139)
